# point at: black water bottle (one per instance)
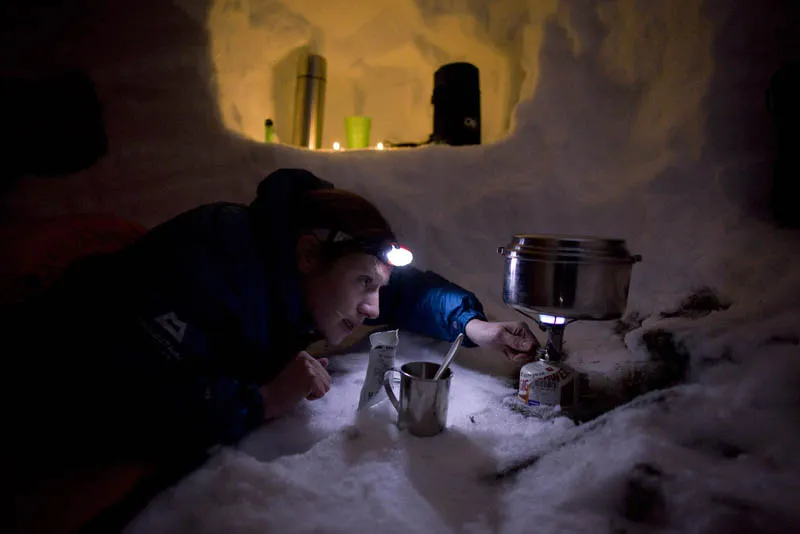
(457, 105)
(783, 102)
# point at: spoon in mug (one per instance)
(450, 355)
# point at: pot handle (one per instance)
(501, 250)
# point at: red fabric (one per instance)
(35, 252)
(68, 502)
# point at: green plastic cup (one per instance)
(357, 131)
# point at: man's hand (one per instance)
(514, 339)
(304, 377)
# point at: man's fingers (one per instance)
(318, 365)
(326, 379)
(523, 345)
(314, 365)
(510, 353)
(318, 388)
(322, 384)
(320, 371)
(516, 356)
(320, 381)
(518, 341)
(524, 340)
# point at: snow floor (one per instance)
(715, 455)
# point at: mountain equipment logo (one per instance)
(173, 325)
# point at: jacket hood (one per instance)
(275, 213)
(276, 207)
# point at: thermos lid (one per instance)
(458, 74)
(312, 65)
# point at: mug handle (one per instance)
(387, 385)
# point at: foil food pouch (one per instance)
(383, 348)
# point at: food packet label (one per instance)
(383, 349)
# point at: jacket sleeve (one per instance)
(210, 410)
(426, 303)
(193, 303)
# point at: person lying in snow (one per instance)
(195, 334)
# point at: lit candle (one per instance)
(336, 145)
(379, 146)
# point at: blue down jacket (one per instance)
(174, 334)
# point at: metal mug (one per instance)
(422, 406)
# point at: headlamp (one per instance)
(387, 251)
(398, 256)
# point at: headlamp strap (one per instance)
(331, 236)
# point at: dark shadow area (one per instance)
(784, 106)
(83, 82)
(52, 125)
(752, 41)
(112, 44)
(150, 69)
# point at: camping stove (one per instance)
(553, 350)
(555, 280)
(547, 384)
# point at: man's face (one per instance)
(342, 295)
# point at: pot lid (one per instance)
(568, 248)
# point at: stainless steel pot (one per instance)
(574, 277)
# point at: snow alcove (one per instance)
(645, 121)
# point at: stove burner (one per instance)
(553, 351)
(551, 319)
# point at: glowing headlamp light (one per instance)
(398, 256)
(388, 252)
